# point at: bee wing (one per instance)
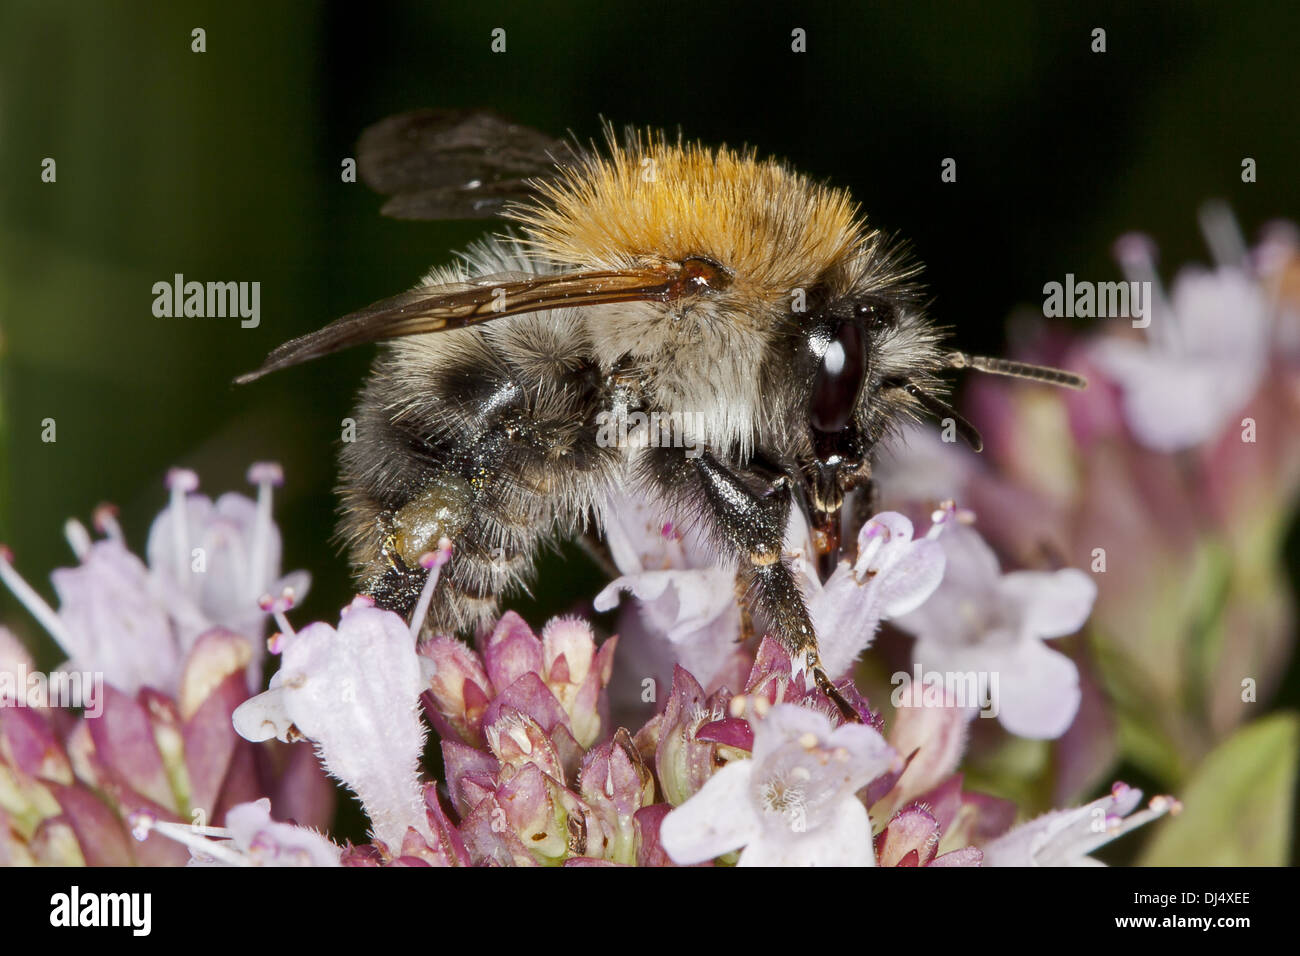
(454, 164)
(437, 308)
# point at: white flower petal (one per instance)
(885, 532)
(893, 575)
(787, 722)
(1038, 691)
(1065, 837)
(263, 717)
(114, 621)
(970, 560)
(991, 626)
(719, 818)
(641, 536)
(1201, 361)
(845, 618)
(355, 692)
(1054, 603)
(870, 754)
(645, 586)
(675, 603)
(1170, 402)
(842, 839)
(911, 578)
(268, 843)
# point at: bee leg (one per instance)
(488, 556)
(748, 513)
(747, 631)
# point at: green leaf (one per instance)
(1237, 808)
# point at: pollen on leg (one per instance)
(440, 511)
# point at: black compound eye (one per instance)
(839, 379)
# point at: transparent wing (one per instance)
(455, 164)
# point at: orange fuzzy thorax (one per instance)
(646, 200)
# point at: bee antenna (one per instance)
(1032, 373)
(942, 410)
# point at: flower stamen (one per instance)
(78, 538)
(277, 607)
(197, 838)
(104, 520)
(28, 598)
(180, 482)
(1222, 235)
(433, 561)
(1136, 254)
(266, 475)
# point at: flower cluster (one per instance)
(1171, 482)
(167, 650)
(535, 774)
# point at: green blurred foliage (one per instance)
(1237, 808)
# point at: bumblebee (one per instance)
(726, 293)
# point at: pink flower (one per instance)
(558, 679)
(111, 619)
(354, 691)
(249, 838)
(992, 625)
(214, 562)
(78, 786)
(686, 611)
(793, 803)
(208, 567)
(912, 838)
(1066, 837)
(892, 575)
(1207, 346)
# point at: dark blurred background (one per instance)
(225, 165)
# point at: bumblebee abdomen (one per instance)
(473, 437)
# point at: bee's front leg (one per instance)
(747, 511)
